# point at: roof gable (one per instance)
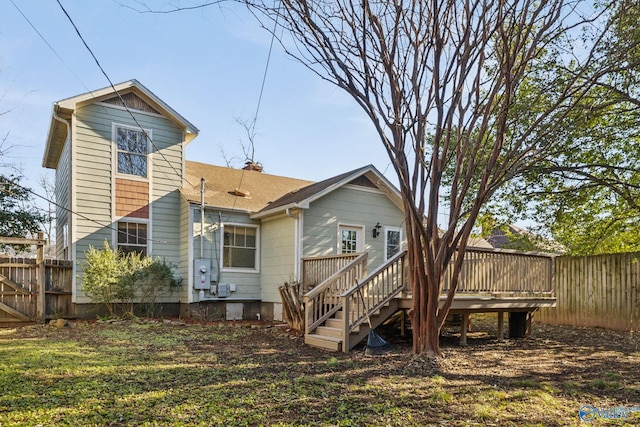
(135, 96)
(367, 176)
(132, 101)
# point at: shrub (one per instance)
(117, 280)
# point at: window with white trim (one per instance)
(240, 247)
(350, 239)
(132, 151)
(392, 241)
(132, 237)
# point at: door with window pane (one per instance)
(351, 239)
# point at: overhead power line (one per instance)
(124, 104)
(77, 214)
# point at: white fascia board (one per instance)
(279, 209)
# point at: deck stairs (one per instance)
(337, 309)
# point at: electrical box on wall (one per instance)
(201, 273)
(224, 290)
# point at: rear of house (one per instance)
(234, 235)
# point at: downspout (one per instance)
(296, 246)
(202, 217)
(71, 248)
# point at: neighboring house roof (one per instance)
(513, 237)
(263, 195)
(479, 242)
(63, 110)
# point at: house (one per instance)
(235, 235)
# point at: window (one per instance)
(132, 151)
(239, 247)
(132, 237)
(350, 239)
(393, 239)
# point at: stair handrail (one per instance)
(390, 278)
(324, 300)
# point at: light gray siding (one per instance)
(354, 206)
(96, 172)
(63, 199)
(278, 256)
(184, 267)
(247, 283)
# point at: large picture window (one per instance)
(132, 151)
(132, 237)
(240, 247)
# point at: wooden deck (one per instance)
(500, 281)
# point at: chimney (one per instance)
(250, 165)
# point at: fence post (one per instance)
(40, 281)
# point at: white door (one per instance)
(350, 239)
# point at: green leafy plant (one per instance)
(118, 280)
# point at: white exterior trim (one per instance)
(114, 154)
(386, 236)
(359, 228)
(255, 270)
(73, 204)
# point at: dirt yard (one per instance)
(155, 373)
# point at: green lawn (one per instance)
(136, 373)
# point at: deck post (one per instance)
(500, 325)
(345, 326)
(464, 327)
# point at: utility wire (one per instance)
(124, 104)
(264, 79)
(77, 214)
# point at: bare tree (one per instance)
(465, 95)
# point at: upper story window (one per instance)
(132, 151)
(240, 247)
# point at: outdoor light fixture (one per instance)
(376, 230)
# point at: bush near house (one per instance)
(118, 280)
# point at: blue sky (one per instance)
(208, 64)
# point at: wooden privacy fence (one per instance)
(34, 289)
(601, 291)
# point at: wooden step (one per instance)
(328, 331)
(321, 341)
(334, 323)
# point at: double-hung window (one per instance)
(132, 237)
(132, 151)
(240, 247)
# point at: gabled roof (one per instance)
(302, 197)
(63, 110)
(263, 195)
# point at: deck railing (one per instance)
(315, 270)
(498, 271)
(324, 300)
(374, 292)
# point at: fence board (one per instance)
(19, 289)
(597, 291)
